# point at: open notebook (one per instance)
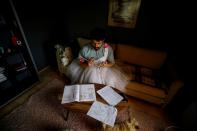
(110, 95)
(78, 93)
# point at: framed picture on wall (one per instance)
(123, 13)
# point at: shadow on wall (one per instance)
(58, 35)
(50, 53)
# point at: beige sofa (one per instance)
(152, 79)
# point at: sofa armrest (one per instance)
(173, 89)
(172, 81)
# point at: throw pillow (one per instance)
(83, 41)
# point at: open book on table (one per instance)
(103, 112)
(78, 93)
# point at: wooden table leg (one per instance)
(65, 114)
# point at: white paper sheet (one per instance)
(103, 112)
(110, 95)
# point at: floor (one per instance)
(48, 74)
(45, 76)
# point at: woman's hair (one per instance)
(98, 34)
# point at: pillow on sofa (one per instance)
(83, 41)
(140, 74)
(149, 76)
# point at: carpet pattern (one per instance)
(43, 112)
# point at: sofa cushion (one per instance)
(145, 92)
(140, 56)
(145, 89)
(82, 41)
(127, 69)
(149, 76)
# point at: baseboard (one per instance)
(44, 69)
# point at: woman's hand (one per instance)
(91, 61)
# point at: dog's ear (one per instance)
(58, 46)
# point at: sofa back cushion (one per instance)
(83, 41)
(140, 56)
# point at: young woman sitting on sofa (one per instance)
(96, 64)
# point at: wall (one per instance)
(149, 28)
(160, 25)
(58, 22)
(40, 22)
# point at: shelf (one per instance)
(5, 85)
(17, 71)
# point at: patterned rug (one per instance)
(43, 112)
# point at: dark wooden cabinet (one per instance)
(17, 68)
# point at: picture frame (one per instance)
(123, 13)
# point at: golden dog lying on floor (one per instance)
(129, 125)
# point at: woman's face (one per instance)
(97, 44)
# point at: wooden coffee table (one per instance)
(85, 106)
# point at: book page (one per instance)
(110, 95)
(69, 94)
(77, 93)
(87, 92)
(102, 112)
